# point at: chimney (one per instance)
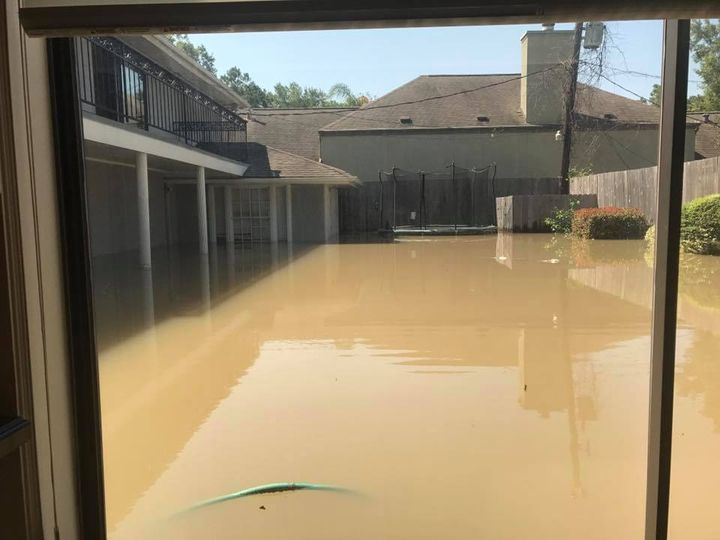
(544, 82)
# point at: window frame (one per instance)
(315, 14)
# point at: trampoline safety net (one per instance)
(449, 197)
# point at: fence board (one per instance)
(637, 188)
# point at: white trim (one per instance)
(104, 132)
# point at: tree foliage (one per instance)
(241, 82)
(197, 52)
(705, 45)
(291, 95)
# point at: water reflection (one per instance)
(459, 383)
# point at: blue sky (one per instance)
(376, 61)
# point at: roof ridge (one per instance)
(471, 75)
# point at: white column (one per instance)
(212, 217)
(229, 220)
(288, 213)
(326, 211)
(202, 211)
(143, 200)
(273, 215)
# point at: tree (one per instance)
(705, 46)
(655, 95)
(294, 95)
(246, 87)
(290, 95)
(343, 91)
(197, 52)
(694, 103)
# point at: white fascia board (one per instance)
(106, 133)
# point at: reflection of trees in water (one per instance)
(699, 376)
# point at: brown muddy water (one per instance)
(490, 387)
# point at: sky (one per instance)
(374, 62)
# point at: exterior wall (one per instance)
(183, 220)
(308, 222)
(113, 212)
(518, 153)
(621, 149)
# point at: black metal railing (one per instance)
(117, 82)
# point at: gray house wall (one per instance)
(307, 213)
(518, 153)
(112, 208)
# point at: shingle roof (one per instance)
(293, 130)
(494, 96)
(268, 162)
(707, 138)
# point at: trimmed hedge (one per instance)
(700, 226)
(609, 223)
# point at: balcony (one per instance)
(118, 83)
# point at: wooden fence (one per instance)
(637, 188)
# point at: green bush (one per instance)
(609, 223)
(561, 219)
(700, 226)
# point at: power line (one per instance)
(632, 72)
(429, 98)
(687, 114)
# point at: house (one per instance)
(169, 162)
(707, 138)
(512, 120)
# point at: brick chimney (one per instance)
(542, 94)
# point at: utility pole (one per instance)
(569, 108)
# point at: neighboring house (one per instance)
(707, 138)
(512, 120)
(161, 135)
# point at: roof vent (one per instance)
(609, 116)
(483, 119)
(405, 120)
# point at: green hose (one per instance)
(268, 488)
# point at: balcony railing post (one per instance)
(146, 108)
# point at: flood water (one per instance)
(487, 387)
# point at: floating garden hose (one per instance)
(268, 488)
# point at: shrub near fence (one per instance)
(700, 226)
(609, 223)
